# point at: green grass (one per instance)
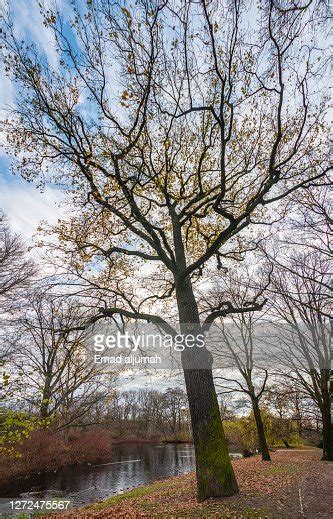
(132, 494)
(231, 509)
(232, 512)
(284, 469)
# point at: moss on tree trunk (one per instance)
(214, 472)
(215, 475)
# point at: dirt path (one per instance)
(316, 491)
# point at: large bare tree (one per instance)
(174, 126)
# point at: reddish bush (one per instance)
(46, 450)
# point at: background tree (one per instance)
(16, 269)
(175, 404)
(63, 385)
(302, 289)
(278, 402)
(149, 413)
(304, 331)
(17, 272)
(174, 127)
(237, 345)
(292, 406)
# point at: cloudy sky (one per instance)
(25, 205)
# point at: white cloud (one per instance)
(28, 22)
(26, 206)
(6, 89)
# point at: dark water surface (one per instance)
(128, 467)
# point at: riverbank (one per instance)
(46, 451)
(294, 484)
(127, 467)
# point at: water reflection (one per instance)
(127, 468)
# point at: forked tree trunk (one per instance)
(214, 472)
(261, 431)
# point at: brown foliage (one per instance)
(51, 450)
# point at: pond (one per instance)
(129, 466)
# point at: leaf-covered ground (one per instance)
(294, 484)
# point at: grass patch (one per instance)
(220, 510)
(151, 499)
(281, 469)
(132, 494)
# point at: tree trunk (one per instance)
(326, 413)
(214, 472)
(261, 431)
(327, 436)
(215, 475)
(45, 403)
